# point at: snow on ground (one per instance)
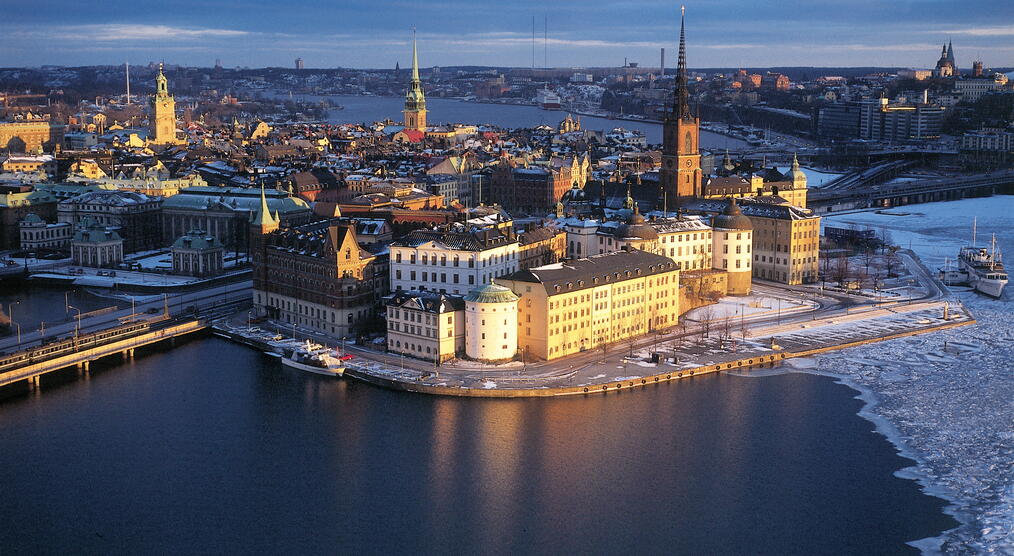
(947, 399)
(747, 306)
(816, 178)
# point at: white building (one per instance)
(96, 245)
(37, 234)
(452, 261)
(972, 89)
(426, 325)
(491, 321)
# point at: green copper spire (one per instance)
(414, 97)
(263, 218)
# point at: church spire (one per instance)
(264, 219)
(415, 60)
(415, 101)
(682, 100)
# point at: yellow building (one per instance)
(415, 101)
(785, 240)
(30, 135)
(788, 188)
(582, 304)
(786, 245)
(163, 113)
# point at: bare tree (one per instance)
(884, 235)
(892, 262)
(867, 256)
(840, 271)
(707, 315)
(726, 331)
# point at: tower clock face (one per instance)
(689, 163)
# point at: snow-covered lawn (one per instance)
(746, 306)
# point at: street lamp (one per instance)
(77, 329)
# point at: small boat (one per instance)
(314, 358)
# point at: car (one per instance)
(153, 310)
(346, 357)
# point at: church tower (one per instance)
(415, 101)
(163, 112)
(680, 177)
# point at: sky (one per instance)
(377, 33)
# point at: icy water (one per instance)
(441, 110)
(213, 447)
(948, 398)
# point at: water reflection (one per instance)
(242, 454)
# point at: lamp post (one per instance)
(10, 309)
(77, 329)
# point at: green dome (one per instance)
(491, 293)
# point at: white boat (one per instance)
(547, 100)
(979, 267)
(314, 358)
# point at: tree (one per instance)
(892, 262)
(707, 315)
(840, 271)
(884, 235)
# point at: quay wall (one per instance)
(756, 361)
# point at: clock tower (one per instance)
(680, 177)
(163, 113)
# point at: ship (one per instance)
(548, 100)
(314, 358)
(978, 267)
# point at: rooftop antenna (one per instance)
(126, 66)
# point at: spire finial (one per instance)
(415, 58)
(681, 99)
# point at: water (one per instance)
(214, 447)
(441, 110)
(32, 305)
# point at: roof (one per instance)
(594, 271)
(113, 198)
(751, 208)
(93, 232)
(537, 235)
(430, 302)
(197, 239)
(234, 198)
(473, 240)
(732, 218)
(491, 293)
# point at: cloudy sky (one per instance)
(375, 33)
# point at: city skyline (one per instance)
(359, 35)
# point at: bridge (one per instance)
(871, 176)
(36, 362)
(908, 193)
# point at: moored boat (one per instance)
(314, 358)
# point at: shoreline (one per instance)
(890, 432)
(632, 382)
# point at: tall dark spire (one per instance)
(682, 100)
